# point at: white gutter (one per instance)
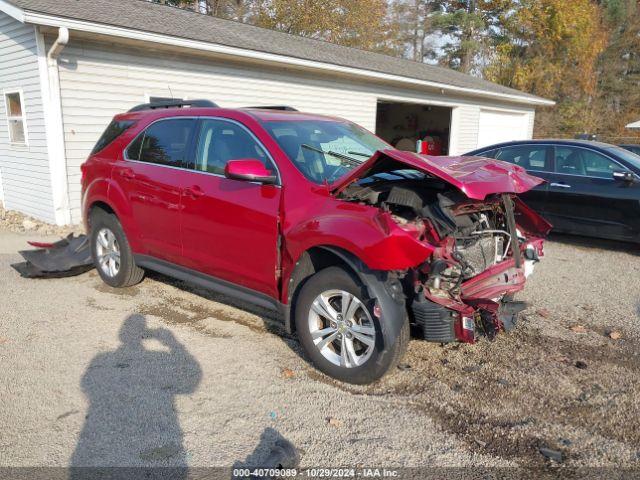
(54, 128)
(58, 46)
(101, 29)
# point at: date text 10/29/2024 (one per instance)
(315, 473)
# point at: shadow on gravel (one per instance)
(132, 419)
(272, 322)
(595, 243)
(272, 452)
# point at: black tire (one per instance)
(385, 355)
(129, 273)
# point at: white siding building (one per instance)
(67, 66)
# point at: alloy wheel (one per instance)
(108, 252)
(341, 328)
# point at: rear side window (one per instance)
(113, 131)
(164, 143)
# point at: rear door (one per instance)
(584, 198)
(150, 177)
(537, 160)
(230, 227)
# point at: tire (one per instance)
(105, 226)
(355, 331)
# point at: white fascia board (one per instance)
(12, 11)
(102, 29)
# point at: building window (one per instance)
(14, 104)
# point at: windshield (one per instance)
(324, 150)
(627, 156)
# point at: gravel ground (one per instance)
(167, 374)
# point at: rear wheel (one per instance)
(339, 331)
(112, 255)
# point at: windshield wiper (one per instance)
(362, 154)
(342, 156)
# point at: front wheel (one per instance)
(339, 331)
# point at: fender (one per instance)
(109, 192)
(368, 233)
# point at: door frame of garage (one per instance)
(455, 116)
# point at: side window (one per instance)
(529, 157)
(113, 131)
(14, 104)
(580, 161)
(165, 143)
(221, 141)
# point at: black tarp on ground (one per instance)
(64, 258)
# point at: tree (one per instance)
(551, 48)
(465, 28)
(354, 23)
(619, 67)
(411, 24)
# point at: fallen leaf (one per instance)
(288, 373)
(614, 335)
(334, 422)
(543, 312)
(578, 329)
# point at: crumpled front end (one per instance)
(482, 258)
(483, 241)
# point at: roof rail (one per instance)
(285, 108)
(173, 104)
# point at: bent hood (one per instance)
(476, 177)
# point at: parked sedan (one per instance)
(592, 188)
(632, 148)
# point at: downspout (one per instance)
(58, 46)
(55, 140)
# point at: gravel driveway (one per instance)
(167, 374)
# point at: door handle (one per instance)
(194, 192)
(561, 185)
(127, 173)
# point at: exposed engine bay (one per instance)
(480, 256)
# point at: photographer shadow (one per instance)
(131, 421)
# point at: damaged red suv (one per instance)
(351, 240)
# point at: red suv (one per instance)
(317, 218)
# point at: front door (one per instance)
(585, 199)
(150, 177)
(230, 227)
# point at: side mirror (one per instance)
(250, 170)
(627, 177)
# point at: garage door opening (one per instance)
(403, 124)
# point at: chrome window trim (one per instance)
(626, 169)
(127, 159)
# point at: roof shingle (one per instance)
(151, 17)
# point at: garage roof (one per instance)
(145, 16)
